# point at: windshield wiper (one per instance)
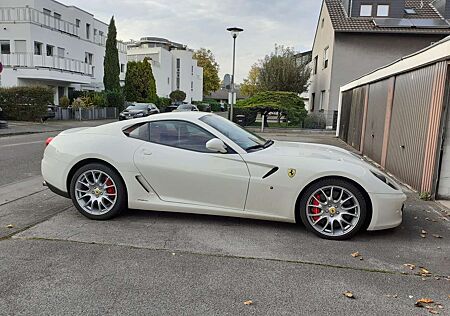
(268, 143)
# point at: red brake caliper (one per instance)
(111, 189)
(316, 210)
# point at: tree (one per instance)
(251, 84)
(111, 65)
(140, 85)
(280, 71)
(288, 104)
(177, 96)
(207, 61)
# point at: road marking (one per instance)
(21, 144)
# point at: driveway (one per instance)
(55, 261)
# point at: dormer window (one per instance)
(383, 10)
(410, 11)
(366, 10)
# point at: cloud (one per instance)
(203, 23)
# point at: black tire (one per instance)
(121, 202)
(339, 183)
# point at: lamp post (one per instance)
(234, 33)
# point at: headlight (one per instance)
(384, 179)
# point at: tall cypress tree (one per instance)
(111, 65)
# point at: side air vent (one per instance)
(271, 172)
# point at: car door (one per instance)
(179, 167)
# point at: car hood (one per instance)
(311, 150)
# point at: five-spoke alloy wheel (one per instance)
(98, 191)
(333, 209)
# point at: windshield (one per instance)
(240, 136)
(141, 106)
(185, 107)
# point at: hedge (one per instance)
(25, 103)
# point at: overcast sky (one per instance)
(203, 23)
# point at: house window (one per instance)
(61, 52)
(322, 23)
(88, 58)
(192, 86)
(77, 22)
(47, 11)
(192, 70)
(100, 33)
(95, 32)
(122, 68)
(37, 48)
(383, 10)
(325, 58)
(313, 101)
(88, 30)
(168, 80)
(322, 100)
(316, 61)
(366, 10)
(178, 73)
(5, 47)
(50, 50)
(57, 15)
(410, 11)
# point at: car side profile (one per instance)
(164, 162)
(138, 110)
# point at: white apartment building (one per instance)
(172, 64)
(44, 42)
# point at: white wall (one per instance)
(164, 66)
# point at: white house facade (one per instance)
(44, 42)
(173, 65)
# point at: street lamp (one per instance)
(234, 33)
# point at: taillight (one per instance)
(48, 141)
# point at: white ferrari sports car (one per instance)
(196, 162)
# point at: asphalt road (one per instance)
(54, 261)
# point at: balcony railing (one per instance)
(29, 60)
(31, 15)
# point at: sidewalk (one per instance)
(21, 128)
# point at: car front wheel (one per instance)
(333, 209)
(98, 192)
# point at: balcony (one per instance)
(30, 15)
(29, 60)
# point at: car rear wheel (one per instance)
(98, 192)
(333, 209)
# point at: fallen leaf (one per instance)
(437, 236)
(349, 294)
(356, 254)
(439, 306)
(432, 311)
(410, 266)
(418, 304)
(424, 231)
(410, 296)
(425, 301)
(10, 226)
(424, 271)
(249, 302)
(423, 235)
(415, 217)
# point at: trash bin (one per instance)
(240, 119)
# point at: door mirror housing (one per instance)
(216, 145)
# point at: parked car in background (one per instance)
(136, 110)
(51, 112)
(186, 108)
(171, 108)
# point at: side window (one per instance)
(141, 132)
(180, 134)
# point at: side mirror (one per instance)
(216, 145)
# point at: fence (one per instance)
(85, 114)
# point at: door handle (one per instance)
(146, 152)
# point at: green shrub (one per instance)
(25, 103)
(163, 103)
(250, 115)
(288, 104)
(315, 121)
(177, 96)
(64, 101)
(78, 103)
(115, 99)
(98, 99)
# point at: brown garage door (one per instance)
(345, 114)
(409, 125)
(376, 114)
(356, 117)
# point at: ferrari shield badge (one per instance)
(291, 172)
